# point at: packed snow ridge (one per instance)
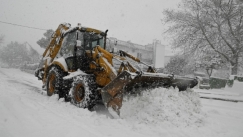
(163, 105)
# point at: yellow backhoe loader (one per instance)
(77, 66)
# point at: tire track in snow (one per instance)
(29, 87)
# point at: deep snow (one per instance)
(26, 110)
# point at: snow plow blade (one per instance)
(112, 94)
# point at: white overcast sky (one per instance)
(136, 20)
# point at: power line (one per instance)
(21, 25)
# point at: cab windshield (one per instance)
(91, 40)
(88, 41)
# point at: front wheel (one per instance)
(83, 92)
(54, 81)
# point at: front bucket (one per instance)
(112, 94)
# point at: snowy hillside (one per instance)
(26, 111)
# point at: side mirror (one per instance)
(79, 43)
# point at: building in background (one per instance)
(139, 51)
(154, 54)
(159, 54)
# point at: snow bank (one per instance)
(236, 88)
(163, 105)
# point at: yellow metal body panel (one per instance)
(104, 61)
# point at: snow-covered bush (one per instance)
(217, 82)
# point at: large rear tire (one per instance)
(54, 81)
(83, 92)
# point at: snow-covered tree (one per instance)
(209, 61)
(44, 42)
(14, 54)
(216, 25)
(178, 65)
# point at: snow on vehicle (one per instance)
(203, 80)
(77, 66)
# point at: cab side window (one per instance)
(68, 45)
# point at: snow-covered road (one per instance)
(26, 111)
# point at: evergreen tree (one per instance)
(44, 42)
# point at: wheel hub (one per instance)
(52, 82)
(79, 93)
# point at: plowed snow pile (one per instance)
(162, 105)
